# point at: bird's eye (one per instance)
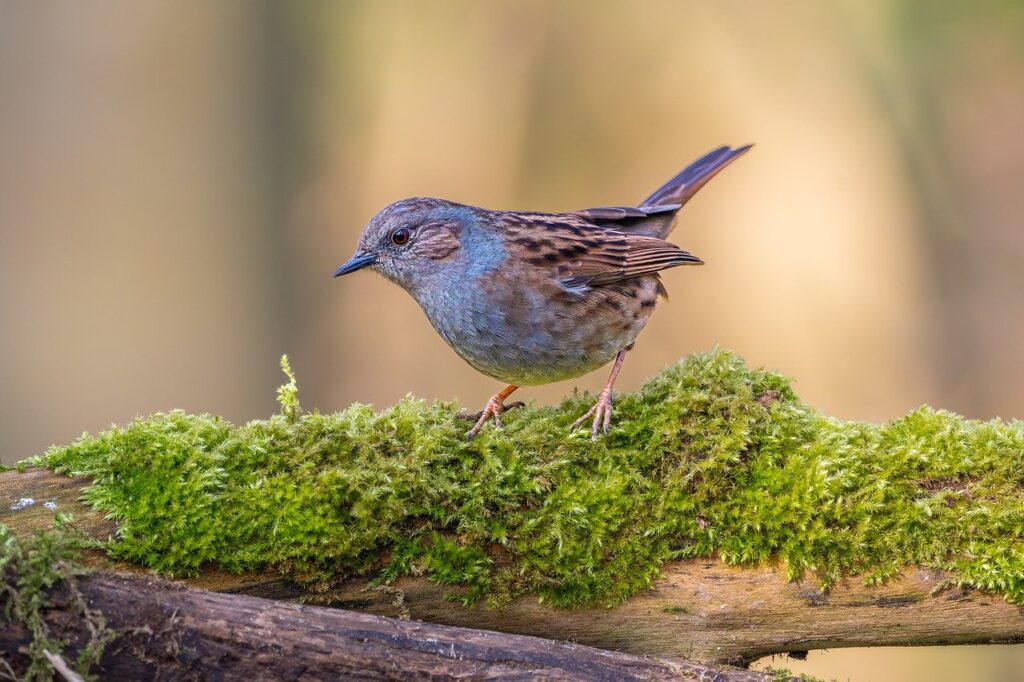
(400, 237)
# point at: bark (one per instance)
(701, 610)
(173, 633)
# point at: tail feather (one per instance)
(656, 216)
(679, 189)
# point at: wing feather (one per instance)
(618, 256)
(580, 254)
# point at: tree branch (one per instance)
(701, 610)
(709, 459)
(174, 633)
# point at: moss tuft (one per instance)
(708, 457)
(29, 569)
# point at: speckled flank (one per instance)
(592, 328)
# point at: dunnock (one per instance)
(533, 298)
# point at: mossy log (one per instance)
(700, 609)
(721, 520)
(167, 632)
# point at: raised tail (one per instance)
(683, 186)
(656, 215)
(679, 189)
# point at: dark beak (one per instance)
(357, 262)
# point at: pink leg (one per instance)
(602, 409)
(495, 406)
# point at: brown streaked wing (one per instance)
(619, 256)
(580, 254)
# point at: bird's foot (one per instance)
(602, 413)
(495, 408)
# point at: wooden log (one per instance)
(707, 611)
(701, 610)
(173, 633)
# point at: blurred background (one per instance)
(178, 181)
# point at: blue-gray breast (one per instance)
(531, 298)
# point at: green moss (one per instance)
(784, 675)
(29, 569)
(709, 457)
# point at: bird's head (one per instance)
(411, 240)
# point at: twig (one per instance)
(61, 666)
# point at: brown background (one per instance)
(179, 180)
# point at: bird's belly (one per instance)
(537, 356)
(527, 337)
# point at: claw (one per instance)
(602, 413)
(476, 415)
(494, 409)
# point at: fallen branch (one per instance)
(701, 610)
(168, 632)
(615, 543)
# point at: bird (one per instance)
(531, 298)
